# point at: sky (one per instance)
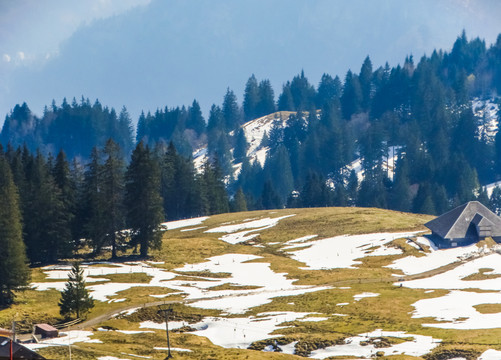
(149, 54)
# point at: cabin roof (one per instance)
(454, 224)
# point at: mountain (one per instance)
(419, 137)
(172, 52)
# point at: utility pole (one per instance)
(12, 340)
(166, 311)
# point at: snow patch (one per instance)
(342, 251)
(171, 225)
(65, 339)
(420, 345)
(359, 297)
(456, 310)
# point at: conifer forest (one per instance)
(80, 174)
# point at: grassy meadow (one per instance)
(391, 310)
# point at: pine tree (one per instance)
(195, 119)
(180, 188)
(48, 233)
(269, 197)
(231, 111)
(303, 94)
(124, 136)
(14, 271)
(285, 100)
(213, 189)
(352, 188)
(329, 90)
(75, 298)
(495, 200)
(400, 193)
(315, 192)
(366, 83)
(113, 172)
(240, 150)
(93, 212)
(143, 200)
(63, 179)
(278, 168)
(239, 202)
(251, 98)
(351, 100)
(266, 104)
(423, 202)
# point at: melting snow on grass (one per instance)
(457, 310)
(234, 237)
(454, 279)
(341, 251)
(171, 225)
(411, 265)
(235, 332)
(65, 339)
(490, 355)
(359, 297)
(172, 349)
(241, 332)
(243, 273)
(419, 346)
(102, 292)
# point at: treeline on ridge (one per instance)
(422, 111)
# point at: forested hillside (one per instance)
(420, 110)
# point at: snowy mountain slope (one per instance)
(487, 113)
(254, 131)
(389, 163)
(485, 110)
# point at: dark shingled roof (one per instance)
(455, 223)
(18, 351)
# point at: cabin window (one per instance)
(454, 244)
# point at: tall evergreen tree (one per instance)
(315, 192)
(113, 172)
(143, 200)
(285, 100)
(93, 211)
(269, 197)
(366, 83)
(48, 233)
(240, 150)
(251, 99)
(64, 180)
(239, 202)
(400, 193)
(180, 188)
(231, 111)
(215, 198)
(266, 104)
(329, 90)
(278, 168)
(195, 119)
(14, 271)
(352, 97)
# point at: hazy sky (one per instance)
(148, 54)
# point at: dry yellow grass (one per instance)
(391, 310)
